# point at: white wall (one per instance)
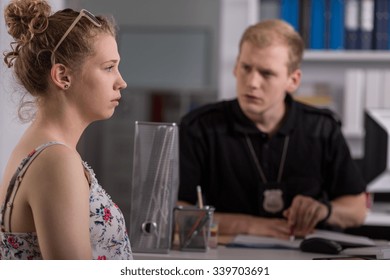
(236, 16)
(226, 20)
(10, 127)
(163, 13)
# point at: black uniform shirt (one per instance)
(214, 154)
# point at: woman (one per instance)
(53, 206)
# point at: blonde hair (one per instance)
(36, 32)
(275, 31)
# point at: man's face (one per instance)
(262, 79)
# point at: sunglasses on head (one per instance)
(83, 13)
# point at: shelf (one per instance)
(347, 56)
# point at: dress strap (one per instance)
(16, 179)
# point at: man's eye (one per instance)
(246, 68)
(266, 74)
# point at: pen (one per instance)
(199, 225)
(292, 236)
(200, 199)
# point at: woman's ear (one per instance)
(294, 81)
(60, 76)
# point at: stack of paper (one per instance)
(345, 240)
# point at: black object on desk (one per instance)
(320, 245)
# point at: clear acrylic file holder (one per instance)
(154, 187)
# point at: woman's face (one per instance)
(96, 87)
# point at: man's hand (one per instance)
(304, 214)
(270, 227)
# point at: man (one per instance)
(271, 166)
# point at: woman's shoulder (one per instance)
(56, 151)
(51, 156)
(55, 165)
(43, 158)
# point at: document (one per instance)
(251, 241)
(345, 240)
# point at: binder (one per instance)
(351, 24)
(386, 29)
(381, 25)
(336, 25)
(305, 21)
(354, 96)
(374, 88)
(318, 28)
(289, 12)
(386, 89)
(366, 24)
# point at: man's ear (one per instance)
(294, 81)
(60, 76)
(235, 68)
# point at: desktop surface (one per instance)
(226, 253)
(223, 252)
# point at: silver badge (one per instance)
(273, 201)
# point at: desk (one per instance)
(376, 226)
(225, 253)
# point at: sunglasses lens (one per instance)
(92, 18)
(84, 13)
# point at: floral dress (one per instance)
(108, 234)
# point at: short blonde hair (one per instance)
(275, 31)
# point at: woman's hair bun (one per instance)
(25, 18)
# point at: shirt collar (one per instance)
(242, 124)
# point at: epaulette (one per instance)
(325, 112)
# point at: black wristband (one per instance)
(329, 207)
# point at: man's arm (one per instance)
(346, 211)
(233, 224)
